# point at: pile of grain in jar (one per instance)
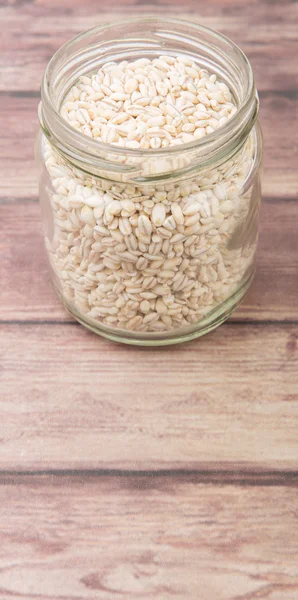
(146, 257)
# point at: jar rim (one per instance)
(71, 142)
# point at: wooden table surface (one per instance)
(130, 473)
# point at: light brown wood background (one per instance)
(165, 474)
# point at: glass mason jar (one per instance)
(141, 281)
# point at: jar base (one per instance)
(215, 318)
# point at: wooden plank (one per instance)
(146, 538)
(280, 175)
(20, 124)
(273, 294)
(26, 293)
(35, 31)
(70, 399)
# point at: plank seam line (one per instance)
(246, 477)
(232, 321)
(12, 200)
(290, 93)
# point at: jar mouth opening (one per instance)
(161, 32)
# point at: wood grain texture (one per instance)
(26, 293)
(73, 400)
(266, 31)
(78, 401)
(146, 538)
(200, 441)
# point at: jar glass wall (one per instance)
(150, 246)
